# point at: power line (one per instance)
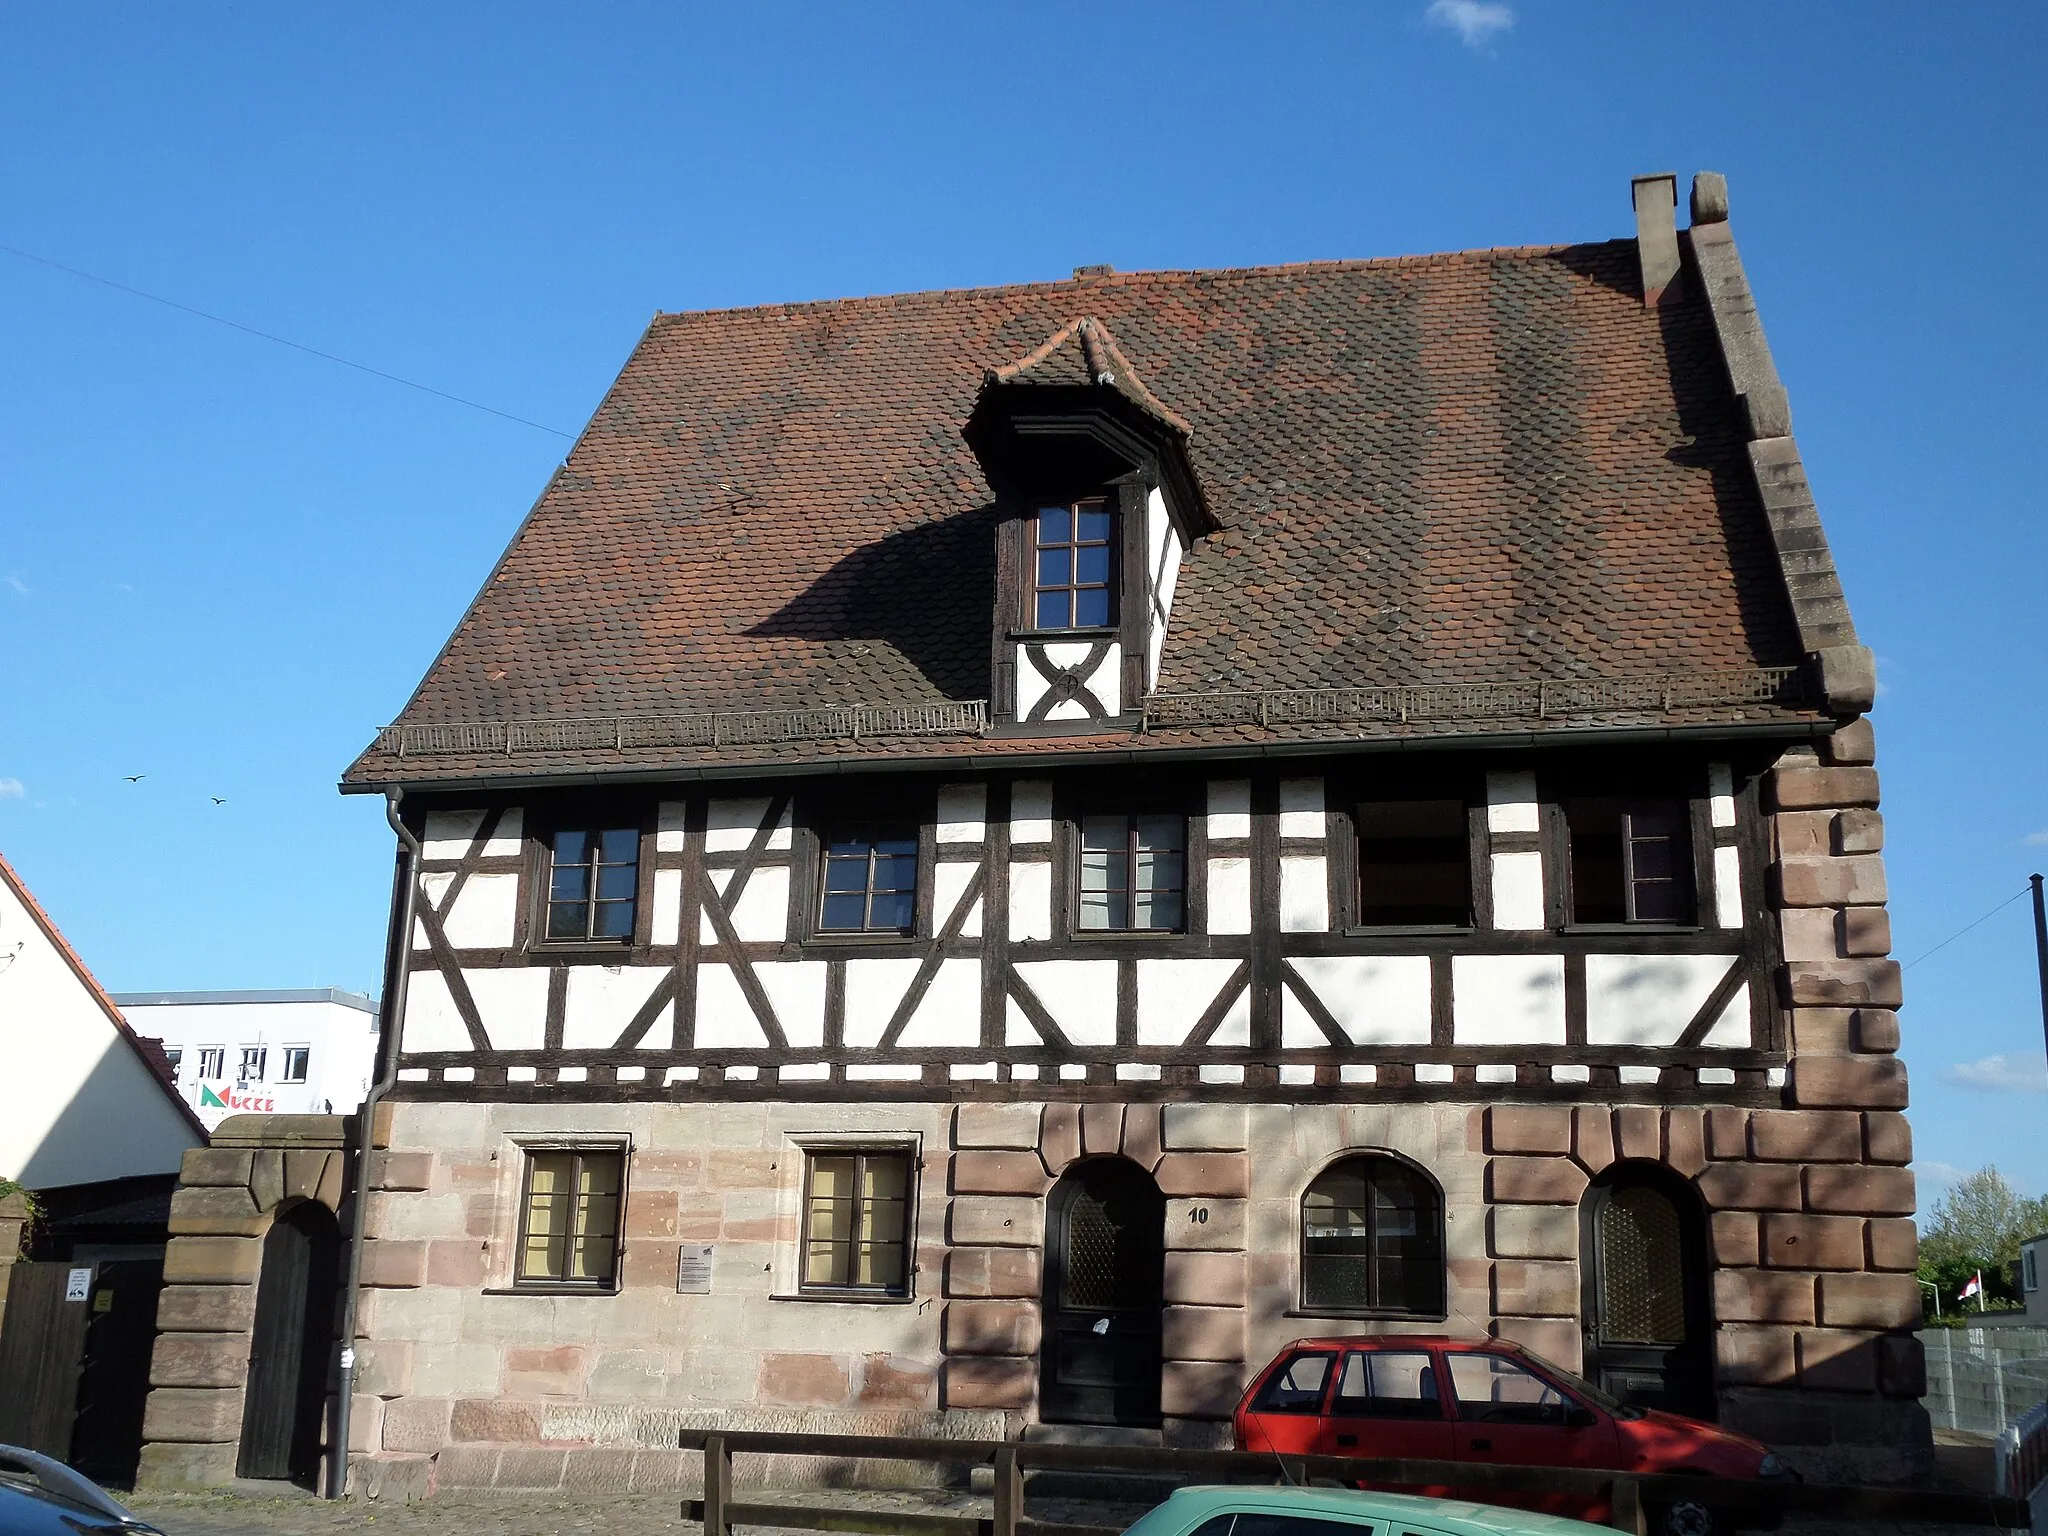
(296, 346)
(1944, 944)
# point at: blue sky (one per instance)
(224, 563)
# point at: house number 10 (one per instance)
(1200, 1213)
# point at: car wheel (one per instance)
(1688, 1517)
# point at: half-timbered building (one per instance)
(985, 859)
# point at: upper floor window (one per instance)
(1072, 558)
(1133, 873)
(1414, 864)
(1631, 861)
(870, 883)
(213, 1062)
(253, 1059)
(569, 1218)
(1372, 1240)
(593, 880)
(296, 1058)
(174, 1057)
(856, 1222)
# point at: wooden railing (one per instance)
(1627, 1496)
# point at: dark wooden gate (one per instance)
(1648, 1332)
(290, 1346)
(40, 1349)
(1104, 1285)
(113, 1384)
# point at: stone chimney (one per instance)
(1656, 200)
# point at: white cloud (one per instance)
(16, 582)
(2021, 1072)
(1933, 1172)
(11, 789)
(2036, 839)
(1475, 21)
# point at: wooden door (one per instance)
(41, 1345)
(113, 1384)
(290, 1346)
(1104, 1280)
(1647, 1330)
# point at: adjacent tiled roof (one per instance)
(1491, 466)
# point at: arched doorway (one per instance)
(1643, 1267)
(291, 1345)
(1105, 1258)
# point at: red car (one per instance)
(1484, 1400)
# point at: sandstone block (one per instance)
(1901, 1366)
(998, 1173)
(1203, 1333)
(217, 1211)
(1059, 1135)
(466, 1466)
(212, 1260)
(1534, 1232)
(1192, 1389)
(887, 1381)
(384, 1367)
(494, 1420)
(991, 1383)
(214, 1165)
(1812, 1242)
(991, 1328)
(1806, 1135)
(1809, 933)
(266, 1176)
(1834, 1361)
(1759, 1356)
(193, 1415)
(1829, 880)
(394, 1262)
(742, 1168)
(1728, 1133)
(1864, 931)
(996, 1221)
(1102, 1130)
(1894, 1244)
(1762, 1296)
(1860, 1191)
(206, 1308)
(1733, 1236)
(651, 1213)
(1870, 1301)
(1801, 832)
(1554, 1338)
(1143, 1135)
(599, 1470)
(1528, 1128)
(1887, 1138)
(1593, 1138)
(992, 1272)
(401, 1170)
(1639, 1132)
(199, 1360)
(1876, 1029)
(1858, 832)
(554, 1371)
(1202, 1127)
(1211, 1175)
(1751, 1187)
(803, 1381)
(1799, 788)
(1856, 1082)
(1534, 1181)
(304, 1169)
(462, 1262)
(1204, 1223)
(533, 1471)
(416, 1424)
(1010, 1127)
(1206, 1278)
(174, 1467)
(1522, 1288)
(365, 1424)
(1852, 744)
(1685, 1141)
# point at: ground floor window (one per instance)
(1372, 1240)
(569, 1217)
(856, 1222)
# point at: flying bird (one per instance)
(216, 799)
(135, 778)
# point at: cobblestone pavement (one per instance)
(649, 1515)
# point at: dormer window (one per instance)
(1074, 566)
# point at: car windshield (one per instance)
(1571, 1381)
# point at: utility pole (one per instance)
(2041, 951)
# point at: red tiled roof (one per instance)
(1495, 465)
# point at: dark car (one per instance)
(1434, 1398)
(41, 1497)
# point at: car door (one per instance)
(1387, 1404)
(1286, 1413)
(1510, 1415)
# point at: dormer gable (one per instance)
(1097, 501)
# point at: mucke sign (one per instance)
(216, 1104)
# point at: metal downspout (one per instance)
(397, 954)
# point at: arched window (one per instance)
(1372, 1240)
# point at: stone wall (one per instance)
(227, 1197)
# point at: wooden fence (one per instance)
(1627, 1496)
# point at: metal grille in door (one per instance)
(1642, 1269)
(1112, 1251)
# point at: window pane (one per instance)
(1100, 871)
(1092, 524)
(1091, 565)
(1052, 610)
(1492, 1390)
(615, 882)
(894, 911)
(1156, 909)
(1105, 909)
(568, 920)
(1053, 526)
(844, 911)
(572, 847)
(1414, 863)
(621, 846)
(614, 920)
(846, 874)
(544, 1252)
(1389, 1384)
(896, 874)
(1055, 567)
(1659, 852)
(570, 882)
(1091, 607)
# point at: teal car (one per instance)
(1218, 1511)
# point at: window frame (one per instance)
(304, 1062)
(1478, 868)
(1077, 852)
(543, 823)
(578, 1148)
(807, 1290)
(1110, 503)
(174, 1055)
(1429, 1185)
(215, 1056)
(871, 830)
(260, 1055)
(1687, 815)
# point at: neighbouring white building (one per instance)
(299, 1052)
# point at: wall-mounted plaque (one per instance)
(693, 1270)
